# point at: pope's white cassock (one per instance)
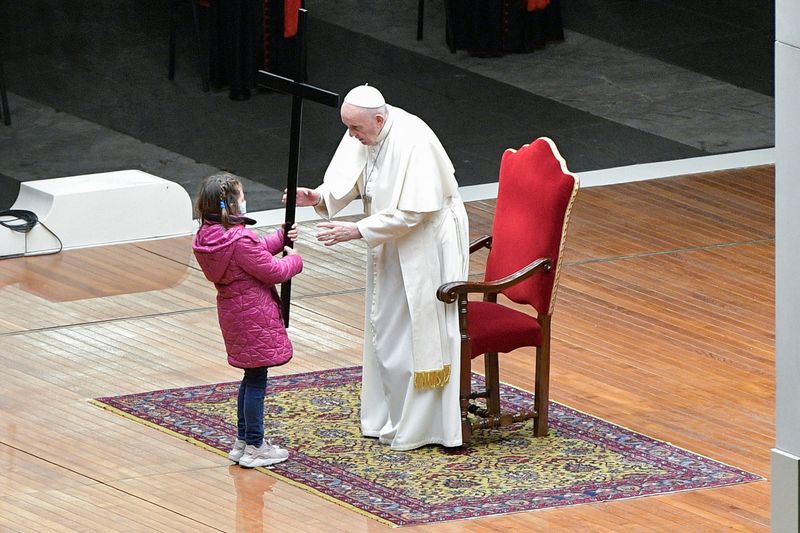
(417, 233)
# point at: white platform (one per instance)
(592, 178)
(97, 209)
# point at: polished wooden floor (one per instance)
(664, 324)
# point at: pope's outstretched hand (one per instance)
(305, 197)
(331, 233)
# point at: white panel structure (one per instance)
(787, 22)
(785, 488)
(97, 209)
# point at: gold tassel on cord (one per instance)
(432, 379)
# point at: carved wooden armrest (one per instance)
(449, 292)
(481, 242)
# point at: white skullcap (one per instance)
(365, 96)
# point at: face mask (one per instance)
(243, 207)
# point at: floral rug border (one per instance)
(381, 503)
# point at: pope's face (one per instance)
(362, 124)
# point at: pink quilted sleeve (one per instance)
(256, 259)
(274, 241)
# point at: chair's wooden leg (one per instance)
(465, 377)
(465, 389)
(172, 31)
(542, 386)
(466, 431)
(466, 425)
(492, 383)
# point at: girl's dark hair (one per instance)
(217, 199)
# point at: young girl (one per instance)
(245, 271)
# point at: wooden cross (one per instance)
(299, 91)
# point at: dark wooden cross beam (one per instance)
(300, 91)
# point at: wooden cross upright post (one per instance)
(299, 91)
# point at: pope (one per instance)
(416, 231)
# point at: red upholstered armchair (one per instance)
(534, 200)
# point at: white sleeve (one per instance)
(382, 227)
(328, 205)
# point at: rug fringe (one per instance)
(98, 403)
(327, 497)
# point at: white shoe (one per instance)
(237, 451)
(265, 455)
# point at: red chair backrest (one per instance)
(535, 193)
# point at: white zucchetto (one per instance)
(365, 96)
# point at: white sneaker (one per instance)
(237, 451)
(265, 455)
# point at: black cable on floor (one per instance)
(28, 220)
(23, 221)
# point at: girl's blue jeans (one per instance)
(250, 406)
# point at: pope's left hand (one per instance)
(331, 233)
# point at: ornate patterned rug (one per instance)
(315, 416)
